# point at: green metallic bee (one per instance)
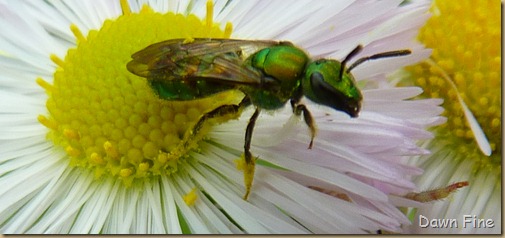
(269, 73)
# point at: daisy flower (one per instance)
(87, 147)
(464, 70)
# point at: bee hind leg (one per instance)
(298, 109)
(223, 110)
(249, 165)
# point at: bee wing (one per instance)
(226, 69)
(218, 59)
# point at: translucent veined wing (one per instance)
(202, 59)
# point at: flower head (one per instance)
(89, 148)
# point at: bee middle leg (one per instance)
(298, 109)
(249, 160)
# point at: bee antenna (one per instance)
(349, 56)
(388, 54)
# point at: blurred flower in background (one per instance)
(465, 70)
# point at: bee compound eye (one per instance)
(316, 77)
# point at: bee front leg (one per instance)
(249, 160)
(307, 117)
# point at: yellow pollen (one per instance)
(47, 123)
(125, 7)
(162, 158)
(143, 166)
(125, 173)
(228, 29)
(45, 85)
(70, 134)
(109, 120)
(457, 33)
(190, 198)
(110, 150)
(77, 33)
(146, 9)
(96, 158)
(240, 163)
(188, 40)
(57, 60)
(210, 13)
(72, 151)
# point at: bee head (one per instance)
(330, 82)
(327, 83)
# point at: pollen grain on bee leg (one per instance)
(436, 194)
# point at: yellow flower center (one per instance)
(465, 37)
(109, 120)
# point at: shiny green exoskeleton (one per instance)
(270, 73)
